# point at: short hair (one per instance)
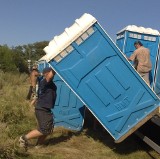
(138, 42)
(47, 69)
(34, 67)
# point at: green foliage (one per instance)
(20, 63)
(15, 59)
(6, 153)
(37, 50)
(33, 51)
(6, 59)
(14, 108)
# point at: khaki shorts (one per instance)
(145, 76)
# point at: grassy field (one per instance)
(17, 118)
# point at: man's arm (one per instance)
(132, 57)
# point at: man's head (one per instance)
(137, 44)
(48, 73)
(34, 67)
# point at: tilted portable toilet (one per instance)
(42, 64)
(89, 62)
(149, 38)
(68, 110)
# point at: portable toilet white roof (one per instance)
(140, 29)
(70, 34)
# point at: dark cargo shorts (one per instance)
(45, 121)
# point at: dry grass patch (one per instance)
(16, 118)
(89, 144)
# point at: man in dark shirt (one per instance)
(46, 101)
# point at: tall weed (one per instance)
(14, 109)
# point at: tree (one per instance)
(38, 48)
(15, 58)
(6, 59)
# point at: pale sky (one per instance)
(28, 21)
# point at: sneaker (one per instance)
(23, 142)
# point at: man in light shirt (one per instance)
(142, 62)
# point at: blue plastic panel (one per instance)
(68, 110)
(105, 81)
(126, 45)
(42, 65)
(156, 86)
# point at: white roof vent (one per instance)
(43, 58)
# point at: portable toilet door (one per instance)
(68, 110)
(156, 86)
(95, 69)
(149, 38)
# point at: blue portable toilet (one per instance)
(149, 38)
(68, 110)
(89, 62)
(42, 64)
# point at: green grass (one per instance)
(17, 117)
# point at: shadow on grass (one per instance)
(128, 146)
(131, 144)
(61, 138)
